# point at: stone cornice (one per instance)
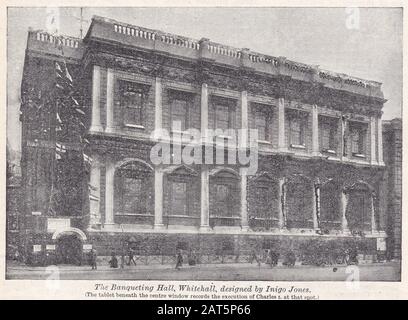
(154, 40)
(153, 52)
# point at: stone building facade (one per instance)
(320, 178)
(392, 136)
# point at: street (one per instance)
(389, 271)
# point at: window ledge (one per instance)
(298, 146)
(133, 214)
(264, 142)
(180, 131)
(222, 136)
(359, 155)
(184, 136)
(224, 217)
(329, 151)
(134, 126)
(180, 216)
(264, 219)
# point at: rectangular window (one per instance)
(223, 200)
(263, 197)
(260, 123)
(132, 199)
(297, 131)
(357, 136)
(179, 114)
(262, 119)
(222, 117)
(132, 99)
(328, 134)
(179, 199)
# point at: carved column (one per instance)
(109, 190)
(315, 131)
(109, 100)
(380, 141)
(373, 218)
(281, 125)
(282, 206)
(343, 123)
(95, 191)
(96, 94)
(158, 111)
(244, 119)
(316, 206)
(244, 203)
(158, 198)
(343, 207)
(205, 199)
(204, 111)
(373, 134)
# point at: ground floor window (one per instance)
(330, 195)
(182, 197)
(263, 202)
(224, 199)
(179, 204)
(299, 202)
(133, 194)
(359, 208)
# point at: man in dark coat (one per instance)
(113, 262)
(131, 257)
(93, 257)
(274, 257)
(179, 260)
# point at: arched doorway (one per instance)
(69, 249)
(69, 246)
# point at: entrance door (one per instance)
(69, 249)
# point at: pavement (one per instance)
(387, 271)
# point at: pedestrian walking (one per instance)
(93, 256)
(113, 262)
(179, 260)
(273, 258)
(122, 260)
(254, 256)
(131, 257)
(192, 258)
(290, 259)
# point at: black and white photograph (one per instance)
(202, 143)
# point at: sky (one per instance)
(362, 42)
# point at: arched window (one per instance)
(359, 206)
(182, 196)
(133, 198)
(299, 202)
(263, 202)
(224, 199)
(330, 209)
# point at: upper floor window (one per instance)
(262, 120)
(297, 128)
(179, 113)
(358, 133)
(179, 198)
(132, 99)
(224, 113)
(180, 104)
(328, 134)
(222, 117)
